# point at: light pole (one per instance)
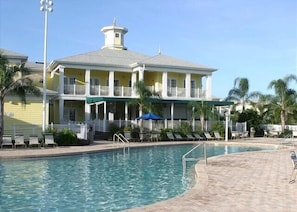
(226, 125)
(46, 6)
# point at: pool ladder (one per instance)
(185, 159)
(119, 137)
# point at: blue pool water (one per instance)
(105, 181)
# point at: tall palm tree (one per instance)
(284, 102)
(202, 110)
(14, 80)
(240, 93)
(144, 100)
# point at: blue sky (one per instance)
(256, 39)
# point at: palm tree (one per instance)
(14, 80)
(284, 102)
(144, 100)
(202, 110)
(240, 93)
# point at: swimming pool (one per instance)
(105, 181)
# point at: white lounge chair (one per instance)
(49, 140)
(19, 141)
(217, 135)
(208, 136)
(6, 141)
(33, 141)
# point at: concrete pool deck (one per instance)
(250, 181)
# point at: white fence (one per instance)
(81, 129)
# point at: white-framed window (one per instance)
(171, 83)
(69, 81)
(94, 81)
(69, 114)
(193, 84)
(115, 82)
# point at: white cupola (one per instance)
(114, 36)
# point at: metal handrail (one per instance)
(120, 137)
(185, 159)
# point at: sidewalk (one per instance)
(251, 181)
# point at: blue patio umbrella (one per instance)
(149, 116)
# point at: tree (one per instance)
(240, 93)
(144, 101)
(14, 80)
(202, 110)
(284, 102)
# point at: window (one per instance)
(94, 81)
(193, 84)
(69, 114)
(171, 83)
(117, 35)
(69, 83)
(69, 80)
(115, 83)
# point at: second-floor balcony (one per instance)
(121, 91)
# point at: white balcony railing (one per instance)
(122, 91)
(74, 89)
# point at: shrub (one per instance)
(66, 138)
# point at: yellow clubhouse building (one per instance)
(96, 87)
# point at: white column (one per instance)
(164, 84)
(133, 81)
(61, 110)
(87, 112)
(226, 125)
(208, 87)
(87, 81)
(61, 80)
(97, 111)
(105, 116)
(141, 74)
(111, 83)
(172, 114)
(188, 85)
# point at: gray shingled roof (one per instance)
(167, 61)
(128, 58)
(105, 57)
(13, 55)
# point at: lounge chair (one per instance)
(6, 141)
(294, 162)
(234, 134)
(49, 140)
(178, 137)
(190, 137)
(19, 141)
(217, 135)
(197, 136)
(208, 136)
(170, 136)
(244, 134)
(33, 141)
